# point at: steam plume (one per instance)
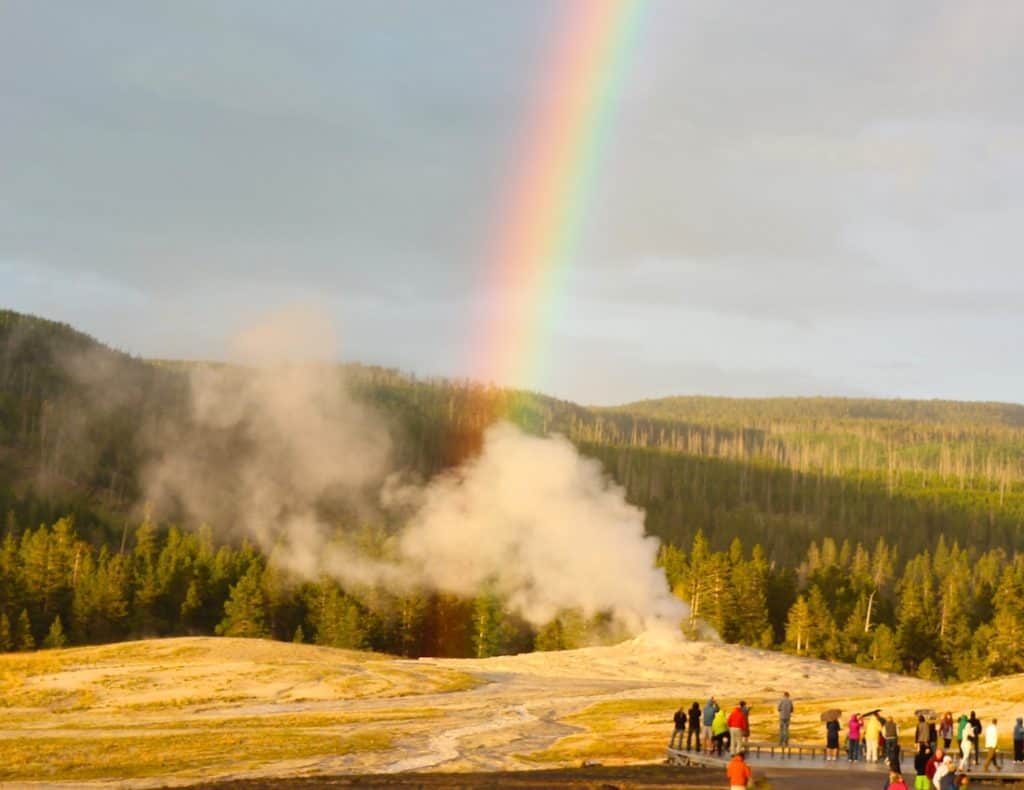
(270, 443)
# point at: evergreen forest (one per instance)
(883, 533)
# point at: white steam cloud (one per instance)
(546, 527)
(269, 444)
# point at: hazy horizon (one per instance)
(796, 201)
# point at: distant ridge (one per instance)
(706, 408)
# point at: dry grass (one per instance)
(178, 755)
(180, 707)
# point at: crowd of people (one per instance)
(944, 752)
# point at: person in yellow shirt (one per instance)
(872, 729)
(719, 731)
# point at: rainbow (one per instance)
(540, 228)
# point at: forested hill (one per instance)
(781, 472)
(747, 411)
(883, 532)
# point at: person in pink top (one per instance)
(853, 738)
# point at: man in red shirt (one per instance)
(737, 722)
(738, 772)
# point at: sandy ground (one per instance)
(257, 710)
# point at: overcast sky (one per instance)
(797, 198)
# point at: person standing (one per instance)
(1018, 741)
(892, 735)
(738, 772)
(853, 738)
(992, 746)
(720, 731)
(710, 709)
(678, 729)
(737, 725)
(785, 708)
(921, 759)
(832, 739)
(693, 733)
(872, 729)
(921, 733)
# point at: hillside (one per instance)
(884, 533)
(199, 708)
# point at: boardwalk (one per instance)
(775, 762)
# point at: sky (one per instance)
(796, 198)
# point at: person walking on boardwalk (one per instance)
(678, 728)
(785, 708)
(693, 733)
(737, 726)
(1018, 741)
(974, 724)
(992, 746)
(710, 709)
(946, 730)
(966, 745)
(738, 772)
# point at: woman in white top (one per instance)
(965, 749)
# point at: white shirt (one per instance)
(991, 736)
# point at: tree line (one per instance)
(942, 614)
(948, 613)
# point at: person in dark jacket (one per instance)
(832, 728)
(693, 733)
(921, 780)
(1018, 741)
(679, 728)
(975, 724)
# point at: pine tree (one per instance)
(23, 639)
(799, 627)
(1004, 649)
(488, 622)
(244, 610)
(883, 653)
(6, 641)
(299, 637)
(55, 638)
